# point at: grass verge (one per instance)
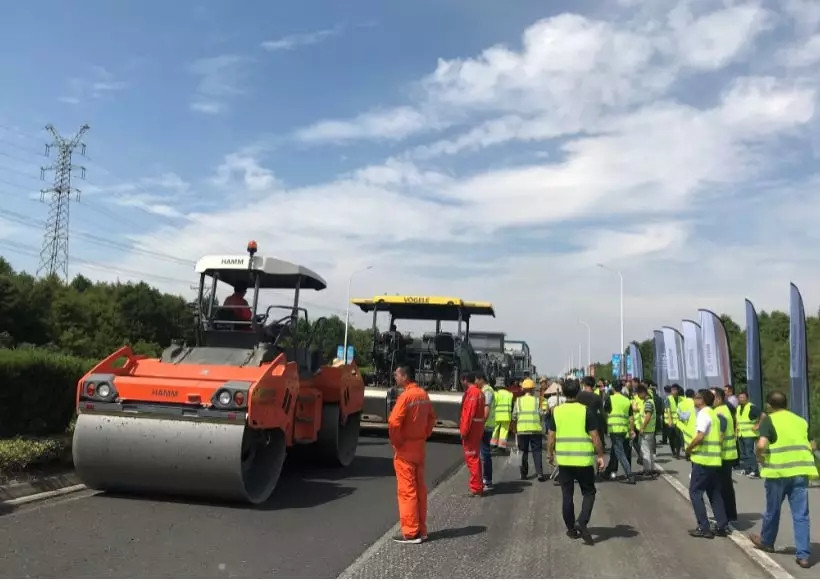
(23, 458)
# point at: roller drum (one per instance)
(447, 405)
(166, 456)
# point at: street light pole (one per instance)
(580, 358)
(347, 310)
(621, 351)
(589, 343)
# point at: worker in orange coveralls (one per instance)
(471, 427)
(410, 424)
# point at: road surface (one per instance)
(314, 526)
(322, 525)
(640, 531)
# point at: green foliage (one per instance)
(37, 391)
(20, 454)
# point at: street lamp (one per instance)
(621, 276)
(589, 342)
(347, 310)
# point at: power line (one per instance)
(54, 254)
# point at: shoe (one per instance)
(472, 494)
(425, 538)
(524, 474)
(753, 475)
(488, 486)
(758, 543)
(407, 540)
(542, 478)
(803, 563)
(699, 533)
(573, 534)
(584, 532)
(613, 475)
(719, 532)
(631, 479)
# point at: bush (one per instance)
(19, 454)
(38, 391)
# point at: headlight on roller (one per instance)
(225, 398)
(103, 390)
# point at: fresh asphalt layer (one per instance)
(315, 525)
(639, 531)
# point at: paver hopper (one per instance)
(215, 419)
(437, 358)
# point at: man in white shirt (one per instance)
(705, 476)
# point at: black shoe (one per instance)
(573, 534)
(720, 532)
(582, 529)
(524, 474)
(542, 478)
(407, 540)
(631, 479)
(698, 533)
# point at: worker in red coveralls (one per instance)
(471, 427)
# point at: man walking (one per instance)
(704, 452)
(503, 400)
(471, 428)
(619, 423)
(410, 424)
(645, 430)
(748, 422)
(489, 426)
(574, 445)
(786, 455)
(728, 453)
(528, 430)
(671, 415)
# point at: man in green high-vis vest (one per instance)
(786, 455)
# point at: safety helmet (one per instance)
(528, 384)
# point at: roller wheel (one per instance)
(337, 443)
(263, 454)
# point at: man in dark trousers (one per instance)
(593, 401)
(574, 445)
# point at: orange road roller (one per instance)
(215, 419)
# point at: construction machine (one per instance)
(522, 360)
(215, 419)
(437, 358)
(496, 363)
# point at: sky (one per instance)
(492, 151)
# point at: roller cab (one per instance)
(215, 419)
(438, 358)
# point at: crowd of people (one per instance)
(717, 431)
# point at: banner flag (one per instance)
(717, 360)
(799, 368)
(754, 368)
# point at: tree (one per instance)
(92, 320)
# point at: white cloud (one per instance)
(219, 79)
(255, 178)
(293, 41)
(379, 124)
(651, 137)
(804, 54)
(716, 39)
(98, 84)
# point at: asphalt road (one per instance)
(316, 524)
(639, 531)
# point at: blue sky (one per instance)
(488, 150)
